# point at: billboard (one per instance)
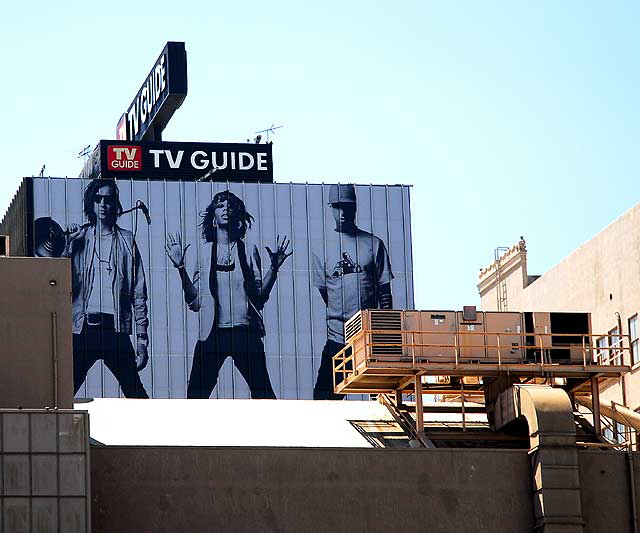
(181, 160)
(161, 94)
(220, 289)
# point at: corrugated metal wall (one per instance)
(295, 316)
(16, 220)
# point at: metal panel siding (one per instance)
(295, 315)
(15, 222)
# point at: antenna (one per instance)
(272, 129)
(84, 153)
(208, 174)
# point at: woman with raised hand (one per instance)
(228, 290)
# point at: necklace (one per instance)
(225, 254)
(97, 254)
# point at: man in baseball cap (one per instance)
(354, 273)
(342, 194)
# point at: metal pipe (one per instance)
(541, 351)
(419, 407)
(620, 336)
(54, 345)
(595, 405)
(623, 381)
(632, 486)
(464, 425)
(621, 414)
(628, 434)
(413, 348)
(456, 346)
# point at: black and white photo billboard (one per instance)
(220, 289)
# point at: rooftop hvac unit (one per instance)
(386, 343)
(504, 337)
(353, 326)
(471, 342)
(564, 337)
(468, 336)
(4, 245)
(431, 335)
(378, 343)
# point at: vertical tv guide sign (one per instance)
(161, 94)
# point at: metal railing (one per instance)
(460, 348)
(614, 351)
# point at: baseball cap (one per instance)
(342, 194)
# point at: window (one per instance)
(602, 355)
(614, 342)
(620, 432)
(608, 433)
(633, 334)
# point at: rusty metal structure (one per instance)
(473, 356)
(536, 376)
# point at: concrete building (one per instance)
(35, 333)
(601, 277)
(44, 443)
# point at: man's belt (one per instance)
(100, 319)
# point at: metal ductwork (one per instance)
(553, 453)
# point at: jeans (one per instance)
(244, 345)
(324, 383)
(115, 349)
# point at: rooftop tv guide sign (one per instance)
(190, 161)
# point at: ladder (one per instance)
(501, 283)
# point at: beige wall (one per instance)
(162, 489)
(605, 492)
(28, 301)
(309, 489)
(601, 277)
(608, 264)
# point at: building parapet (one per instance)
(517, 249)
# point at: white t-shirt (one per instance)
(101, 295)
(351, 271)
(233, 305)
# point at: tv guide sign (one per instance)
(191, 161)
(161, 94)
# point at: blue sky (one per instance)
(508, 118)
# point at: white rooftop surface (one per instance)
(176, 422)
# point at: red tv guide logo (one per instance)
(124, 158)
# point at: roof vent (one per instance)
(469, 313)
